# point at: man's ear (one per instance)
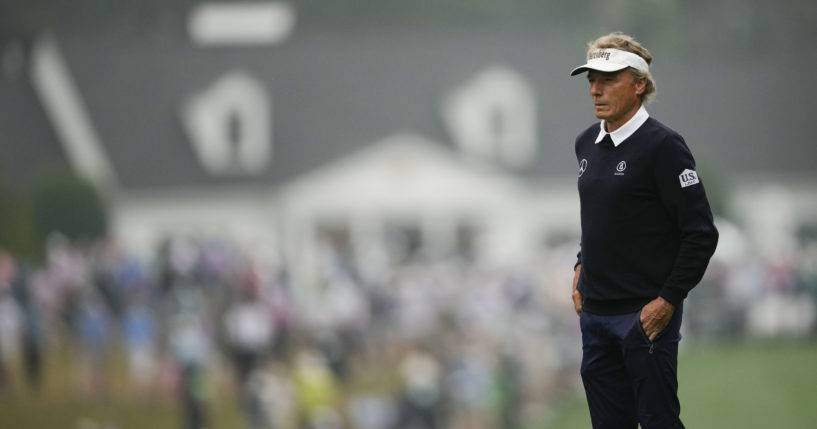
(640, 86)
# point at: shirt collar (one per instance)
(626, 130)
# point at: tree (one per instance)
(66, 203)
(16, 227)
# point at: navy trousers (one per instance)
(628, 379)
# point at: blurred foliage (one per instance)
(60, 202)
(66, 203)
(16, 228)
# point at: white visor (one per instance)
(610, 60)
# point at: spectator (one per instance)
(140, 331)
(249, 328)
(191, 345)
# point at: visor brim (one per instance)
(602, 67)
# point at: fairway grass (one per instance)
(736, 385)
(59, 404)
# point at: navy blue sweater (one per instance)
(647, 228)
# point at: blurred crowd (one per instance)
(428, 343)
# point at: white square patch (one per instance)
(688, 178)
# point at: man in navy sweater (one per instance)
(647, 236)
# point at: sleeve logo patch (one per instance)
(688, 178)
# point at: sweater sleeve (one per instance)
(682, 194)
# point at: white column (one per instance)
(439, 234)
(369, 246)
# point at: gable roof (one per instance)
(331, 93)
(334, 91)
(404, 172)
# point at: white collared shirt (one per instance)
(625, 130)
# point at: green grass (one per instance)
(60, 402)
(747, 386)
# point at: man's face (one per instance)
(615, 95)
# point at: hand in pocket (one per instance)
(655, 317)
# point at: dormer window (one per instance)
(493, 117)
(229, 125)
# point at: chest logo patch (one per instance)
(582, 166)
(621, 167)
(688, 178)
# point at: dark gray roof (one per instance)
(336, 91)
(28, 146)
(332, 92)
